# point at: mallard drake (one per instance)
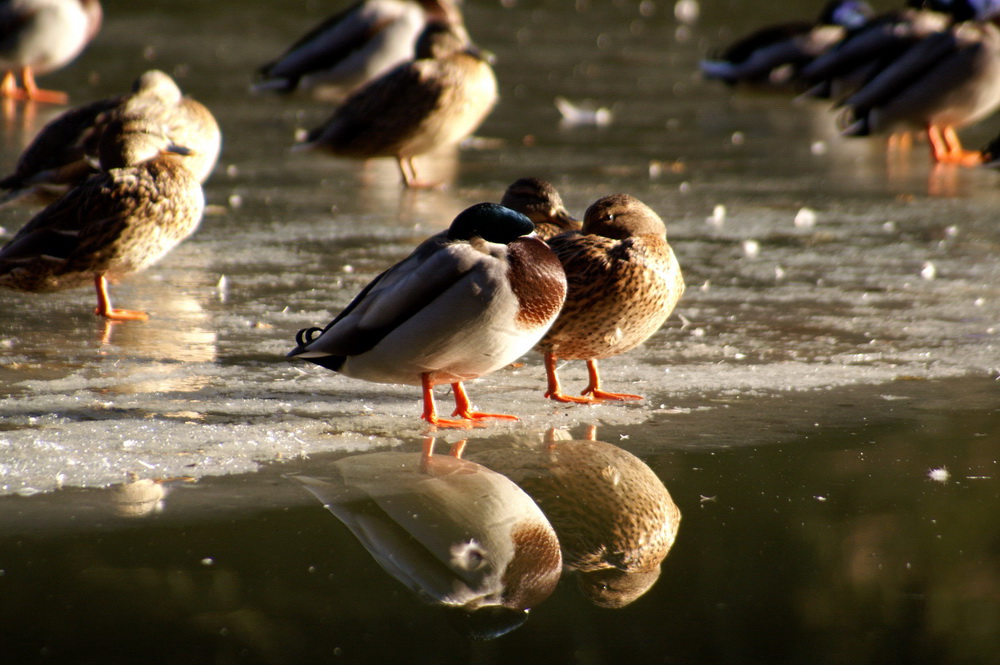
(866, 50)
(356, 46)
(119, 221)
(432, 102)
(40, 36)
(773, 55)
(615, 520)
(65, 152)
(466, 302)
(622, 283)
(946, 80)
(541, 203)
(452, 531)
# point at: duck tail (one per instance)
(720, 70)
(304, 338)
(853, 124)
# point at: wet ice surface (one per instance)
(811, 262)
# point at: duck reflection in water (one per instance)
(615, 519)
(456, 533)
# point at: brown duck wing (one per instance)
(63, 144)
(327, 44)
(78, 230)
(382, 115)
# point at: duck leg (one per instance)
(594, 387)
(409, 172)
(554, 390)
(105, 309)
(463, 406)
(430, 410)
(947, 148)
(31, 91)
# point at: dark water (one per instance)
(823, 412)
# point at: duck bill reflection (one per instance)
(452, 531)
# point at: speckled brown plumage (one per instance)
(115, 223)
(622, 283)
(609, 509)
(65, 151)
(432, 102)
(540, 201)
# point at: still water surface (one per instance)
(823, 407)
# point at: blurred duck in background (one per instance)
(857, 58)
(65, 151)
(142, 204)
(772, 56)
(41, 36)
(432, 102)
(944, 81)
(356, 46)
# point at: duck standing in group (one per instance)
(466, 302)
(947, 80)
(772, 56)
(140, 206)
(623, 281)
(540, 202)
(432, 102)
(356, 46)
(65, 151)
(41, 36)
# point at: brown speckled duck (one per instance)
(615, 520)
(433, 102)
(542, 204)
(40, 36)
(65, 152)
(143, 203)
(622, 283)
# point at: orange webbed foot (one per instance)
(475, 416)
(122, 314)
(602, 395)
(570, 399)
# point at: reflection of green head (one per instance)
(613, 588)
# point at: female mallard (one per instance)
(773, 55)
(541, 203)
(432, 102)
(466, 302)
(142, 204)
(356, 46)
(40, 36)
(64, 153)
(622, 283)
(948, 79)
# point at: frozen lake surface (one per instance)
(836, 297)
